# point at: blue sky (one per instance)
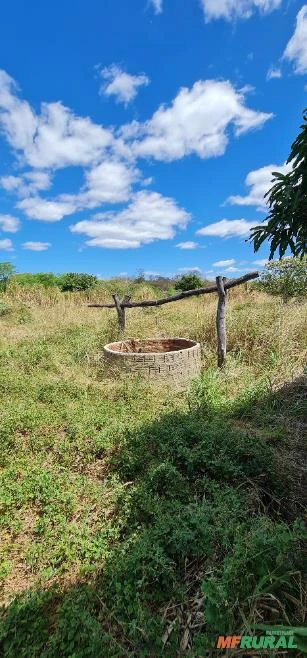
(142, 134)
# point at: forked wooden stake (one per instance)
(121, 312)
(221, 321)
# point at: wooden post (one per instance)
(121, 312)
(221, 321)
(120, 315)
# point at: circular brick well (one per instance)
(175, 361)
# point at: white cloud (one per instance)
(234, 9)
(26, 184)
(187, 245)
(151, 273)
(49, 211)
(224, 263)
(37, 180)
(296, 49)
(227, 228)
(108, 182)
(120, 84)
(273, 72)
(197, 121)
(9, 223)
(259, 181)
(17, 120)
(10, 183)
(148, 217)
(232, 269)
(147, 181)
(52, 139)
(261, 262)
(6, 245)
(190, 269)
(63, 139)
(157, 6)
(56, 138)
(36, 246)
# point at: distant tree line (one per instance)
(69, 281)
(74, 281)
(286, 277)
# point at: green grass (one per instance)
(138, 522)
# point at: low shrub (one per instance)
(286, 277)
(74, 281)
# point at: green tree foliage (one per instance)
(189, 281)
(287, 220)
(72, 281)
(46, 279)
(6, 272)
(286, 277)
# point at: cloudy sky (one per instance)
(144, 134)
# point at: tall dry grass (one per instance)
(265, 337)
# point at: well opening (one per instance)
(150, 346)
(174, 361)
